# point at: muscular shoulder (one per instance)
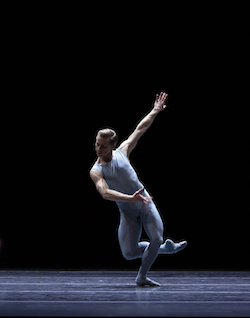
(129, 144)
(124, 147)
(95, 175)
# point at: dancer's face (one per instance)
(103, 147)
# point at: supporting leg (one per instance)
(153, 226)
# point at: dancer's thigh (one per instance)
(152, 222)
(129, 232)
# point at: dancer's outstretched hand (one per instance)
(159, 103)
(138, 197)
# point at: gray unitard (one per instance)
(120, 176)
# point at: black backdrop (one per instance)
(71, 69)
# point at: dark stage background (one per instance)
(70, 69)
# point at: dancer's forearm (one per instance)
(147, 121)
(159, 105)
(113, 195)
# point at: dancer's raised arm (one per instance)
(129, 144)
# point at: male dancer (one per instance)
(116, 180)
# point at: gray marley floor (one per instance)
(114, 293)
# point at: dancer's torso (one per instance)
(119, 174)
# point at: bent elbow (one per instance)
(105, 195)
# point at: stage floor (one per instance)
(114, 293)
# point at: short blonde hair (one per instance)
(108, 133)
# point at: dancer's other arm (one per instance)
(129, 144)
(112, 195)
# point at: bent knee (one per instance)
(128, 255)
(158, 240)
